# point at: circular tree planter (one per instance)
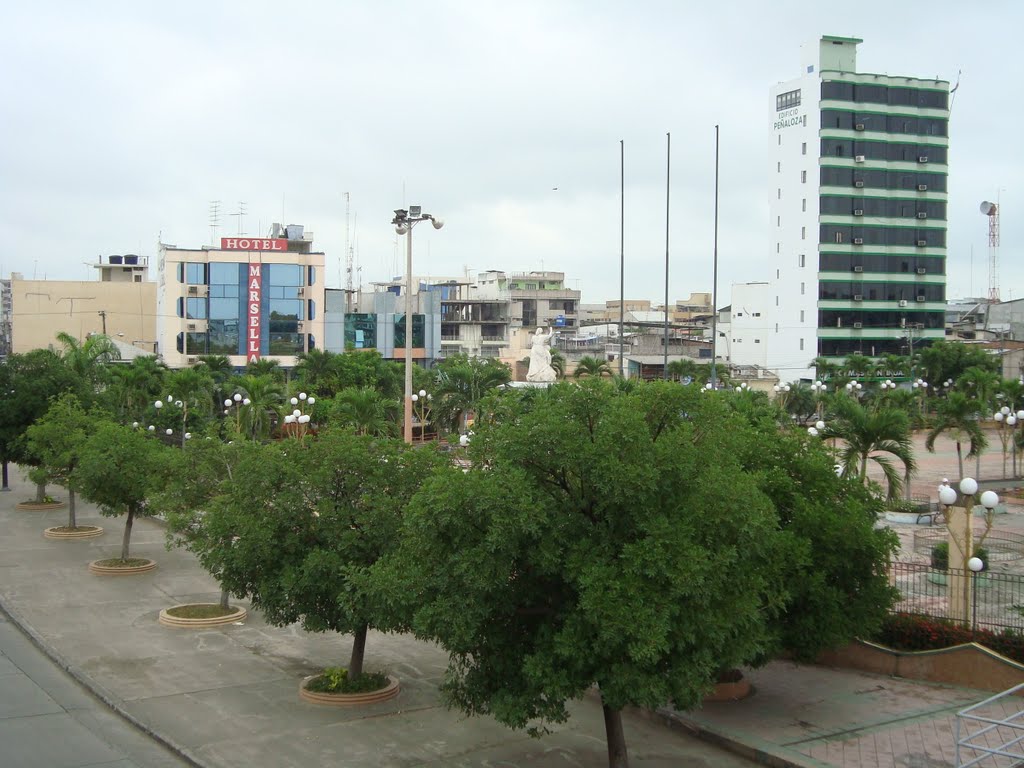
(111, 566)
(35, 506)
(733, 688)
(349, 699)
(80, 532)
(168, 619)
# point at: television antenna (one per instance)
(992, 211)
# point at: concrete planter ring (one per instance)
(109, 567)
(168, 619)
(36, 506)
(733, 688)
(349, 699)
(81, 532)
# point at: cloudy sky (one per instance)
(124, 120)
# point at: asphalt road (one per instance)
(47, 720)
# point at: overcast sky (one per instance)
(122, 121)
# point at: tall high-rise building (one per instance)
(858, 210)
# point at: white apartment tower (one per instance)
(858, 210)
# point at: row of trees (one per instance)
(643, 538)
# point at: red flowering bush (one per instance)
(910, 632)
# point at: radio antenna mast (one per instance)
(992, 211)
(214, 220)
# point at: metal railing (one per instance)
(998, 735)
(997, 598)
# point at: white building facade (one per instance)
(858, 214)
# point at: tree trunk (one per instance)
(127, 531)
(72, 523)
(960, 459)
(5, 486)
(40, 492)
(355, 662)
(617, 755)
(225, 599)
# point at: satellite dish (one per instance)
(987, 208)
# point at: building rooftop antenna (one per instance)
(348, 247)
(214, 220)
(241, 217)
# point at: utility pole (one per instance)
(103, 316)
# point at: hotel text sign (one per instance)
(253, 244)
(253, 327)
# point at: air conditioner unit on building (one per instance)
(858, 268)
(922, 271)
(858, 211)
(191, 360)
(922, 159)
(920, 298)
(858, 297)
(300, 292)
(859, 183)
(858, 325)
(193, 290)
(191, 326)
(859, 127)
(922, 243)
(903, 302)
(922, 187)
(922, 215)
(858, 241)
(858, 159)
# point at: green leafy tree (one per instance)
(800, 402)
(682, 369)
(583, 547)
(367, 368)
(56, 441)
(29, 382)
(826, 368)
(306, 527)
(266, 366)
(950, 359)
(958, 415)
(878, 435)
(116, 466)
(592, 366)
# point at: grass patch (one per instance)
(200, 611)
(117, 562)
(76, 529)
(336, 680)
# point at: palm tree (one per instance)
(459, 385)
(592, 366)
(315, 370)
(365, 410)
(86, 359)
(265, 395)
(860, 366)
(959, 415)
(557, 363)
(136, 384)
(825, 367)
(868, 434)
(682, 369)
(266, 366)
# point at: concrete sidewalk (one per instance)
(228, 696)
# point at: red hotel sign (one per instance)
(254, 244)
(252, 336)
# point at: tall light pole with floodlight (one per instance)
(404, 222)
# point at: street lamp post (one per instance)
(961, 543)
(421, 401)
(404, 222)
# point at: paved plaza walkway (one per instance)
(227, 697)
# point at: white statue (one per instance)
(541, 371)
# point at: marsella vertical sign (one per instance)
(253, 326)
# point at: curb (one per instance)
(114, 703)
(751, 748)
